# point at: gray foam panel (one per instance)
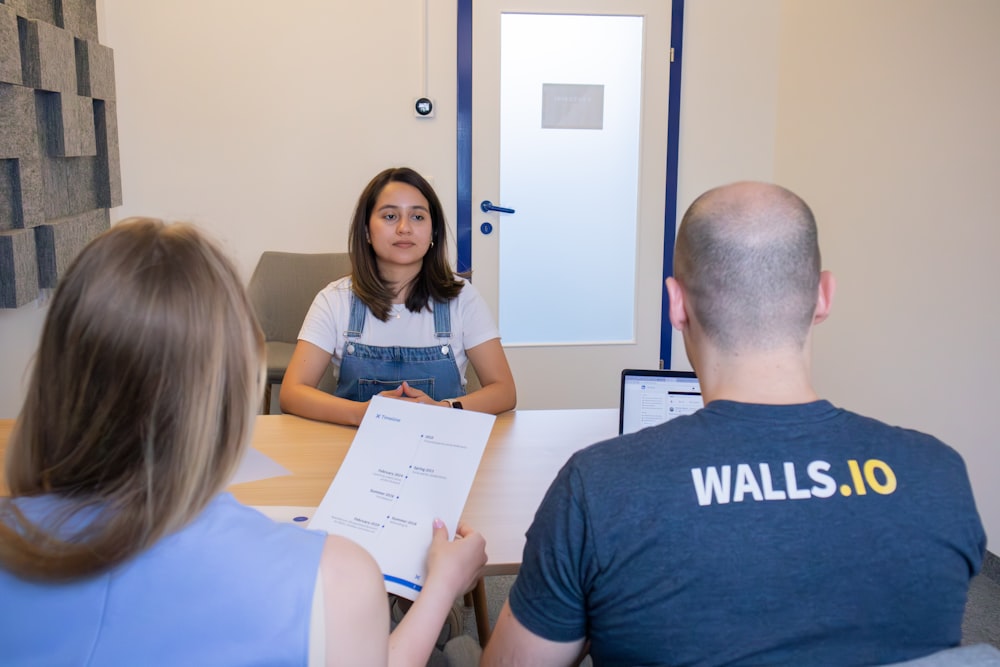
(29, 174)
(10, 194)
(59, 241)
(18, 270)
(60, 169)
(10, 49)
(49, 57)
(70, 126)
(80, 18)
(42, 10)
(63, 181)
(17, 122)
(95, 66)
(20, 193)
(109, 163)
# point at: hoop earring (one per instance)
(432, 244)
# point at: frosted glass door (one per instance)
(570, 112)
(569, 129)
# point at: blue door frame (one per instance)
(463, 222)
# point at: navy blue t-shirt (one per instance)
(755, 534)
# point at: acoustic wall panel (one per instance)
(27, 184)
(59, 164)
(80, 18)
(43, 10)
(18, 266)
(59, 241)
(70, 126)
(10, 51)
(110, 177)
(18, 124)
(48, 57)
(95, 67)
(9, 189)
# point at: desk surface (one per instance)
(525, 450)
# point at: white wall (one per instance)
(20, 330)
(262, 122)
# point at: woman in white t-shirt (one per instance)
(402, 325)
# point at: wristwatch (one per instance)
(455, 404)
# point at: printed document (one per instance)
(408, 464)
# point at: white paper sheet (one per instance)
(256, 466)
(408, 464)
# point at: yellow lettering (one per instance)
(884, 488)
(859, 483)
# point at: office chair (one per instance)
(281, 290)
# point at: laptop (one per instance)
(651, 397)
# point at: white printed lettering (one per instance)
(794, 492)
(826, 486)
(745, 483)
(709, 485)
(765, 481)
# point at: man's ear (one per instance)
(824, 296)
(678, 314)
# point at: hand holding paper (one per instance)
(408, 464)
(461, 560)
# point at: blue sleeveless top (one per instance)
(231, 588)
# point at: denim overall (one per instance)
(367, 370)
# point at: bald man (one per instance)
(768, 528)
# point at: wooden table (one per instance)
(525, 451)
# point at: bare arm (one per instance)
(299, 393)
(452, 569)
(354, 606)
(513, 644)
(498, 393)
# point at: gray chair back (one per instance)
(281, 290)
(284, 285)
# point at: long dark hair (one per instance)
(436, 281)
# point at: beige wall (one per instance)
(729, 101)
(264, 125)
(889, 125)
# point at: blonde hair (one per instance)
(141, 401)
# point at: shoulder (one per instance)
(469, 291)
(337, 291)
(350, 574)
(474, 311)
(623, 450)
(341, 555)
(225, 515)
(920, 447)
(330, 305)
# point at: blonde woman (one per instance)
(118, 546)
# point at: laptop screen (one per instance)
(651, 397)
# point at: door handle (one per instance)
(488, 206)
